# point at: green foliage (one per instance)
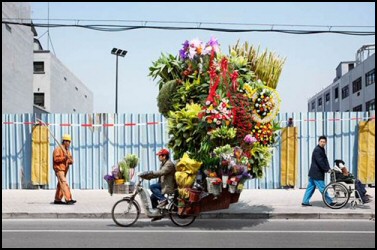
(167, 67)
(211, 163)
(267, 66)
(191, 91)
(124, 169)
(260, 158)
(223, 135)
(223, 150)
(165, 99)
(131, 160)
(184, 130)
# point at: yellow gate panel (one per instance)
(366, 163)
(289, 151)
(40, 162)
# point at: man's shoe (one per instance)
(156, 218)
(162, 204)
(369, 196)
(306, 205)
(71, 202)
(59, 202)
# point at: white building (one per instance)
(33, 79)
(353, 88)
(56, 89)
(17, 60)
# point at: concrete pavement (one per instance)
(253, 203)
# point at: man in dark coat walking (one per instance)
(319, 166)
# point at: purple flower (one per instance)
(109, 178)
(213, 44)
(183, 51)
(250, 139)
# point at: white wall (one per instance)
(17, 61)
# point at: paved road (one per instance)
(52, 233)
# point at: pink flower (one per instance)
(249, 139)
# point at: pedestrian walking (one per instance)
(62, 158)
(319, 166)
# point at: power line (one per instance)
(117, 28)
(144, 22)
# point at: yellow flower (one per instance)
(249, 90)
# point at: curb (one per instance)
(291, 216)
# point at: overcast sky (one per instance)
(310, 59)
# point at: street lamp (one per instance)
(122, 53)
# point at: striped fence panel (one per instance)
(99, 141)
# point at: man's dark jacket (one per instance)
(320, 164)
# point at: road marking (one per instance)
(182, 231)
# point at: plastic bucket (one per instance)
(194, 195)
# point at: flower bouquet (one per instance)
(232, 182)
(110, 182)
(214, 185)
(131, 160)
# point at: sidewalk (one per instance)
(253, 204)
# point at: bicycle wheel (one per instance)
(125, 212)
(338, 193)
(179, 220)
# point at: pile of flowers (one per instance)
(196, 47)
(265, 105)
(216, 103)
(217, 114)
(264, 133)
(122, 172)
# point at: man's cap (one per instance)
(163, 151)
(66, 137)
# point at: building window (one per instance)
(39, 67)
(327, 97)
(345, 92)
(351, 66)
(320, 102)
(313, 105)
(370, 105)
(369, 78)
(356, 85)
(39, 99)
(336, 93)
(358, 108)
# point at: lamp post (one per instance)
(122, 53)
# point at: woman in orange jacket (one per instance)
(62, 160)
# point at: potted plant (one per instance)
(131, 161)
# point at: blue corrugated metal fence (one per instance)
(97, 148)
